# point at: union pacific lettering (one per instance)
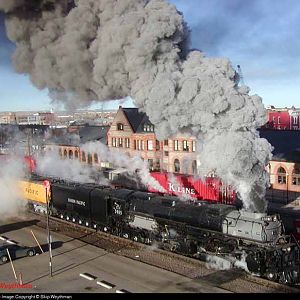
(178, 189)
(82, 203)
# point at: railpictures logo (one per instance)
(9, 286)
(36, 296)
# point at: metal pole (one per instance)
(49, 237)
(287, 188)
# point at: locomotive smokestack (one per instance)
(99, 50)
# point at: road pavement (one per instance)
(78, 267)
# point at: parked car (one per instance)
(15, 251)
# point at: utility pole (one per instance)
(287, 188)
(28, 143)
(47, 187)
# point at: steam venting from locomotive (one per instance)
(95, 50)
(53, 165)
(131, 164)
(11, 203)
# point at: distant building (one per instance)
(8, 118)
(67, 143)
(283, 118)
(22, 139)
(284, 168)
(31, 118)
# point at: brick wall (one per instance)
(284, 176)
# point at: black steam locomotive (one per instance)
(189, 228)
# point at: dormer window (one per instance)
(148, 128)
(120, 126)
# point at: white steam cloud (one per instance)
(133, 165)
(11, 169)
(96, 50)
(51, 164)
(226, 263)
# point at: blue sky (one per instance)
(263, 36)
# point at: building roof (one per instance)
(136, 119)
(93, 133)
(286, 144)
(85, 134)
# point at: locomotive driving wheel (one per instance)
(286, 277)
(254, 263)
(213, 245)
(272, 275)
(231, 245)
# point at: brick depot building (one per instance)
(133, 132)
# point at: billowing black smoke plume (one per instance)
(96, 50)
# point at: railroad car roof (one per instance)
(122, 194)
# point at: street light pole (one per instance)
(287, 188)
(47, 186)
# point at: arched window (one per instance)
(281, 175)
(65, 153)
(83, 158)
(90, 159)
(176, 166)
(76, 154)
(96, 159)
(296, 175)
(71, 154)
(194, 167)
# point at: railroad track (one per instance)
(234, 280)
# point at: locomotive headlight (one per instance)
(288, 249)
(275, 219)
